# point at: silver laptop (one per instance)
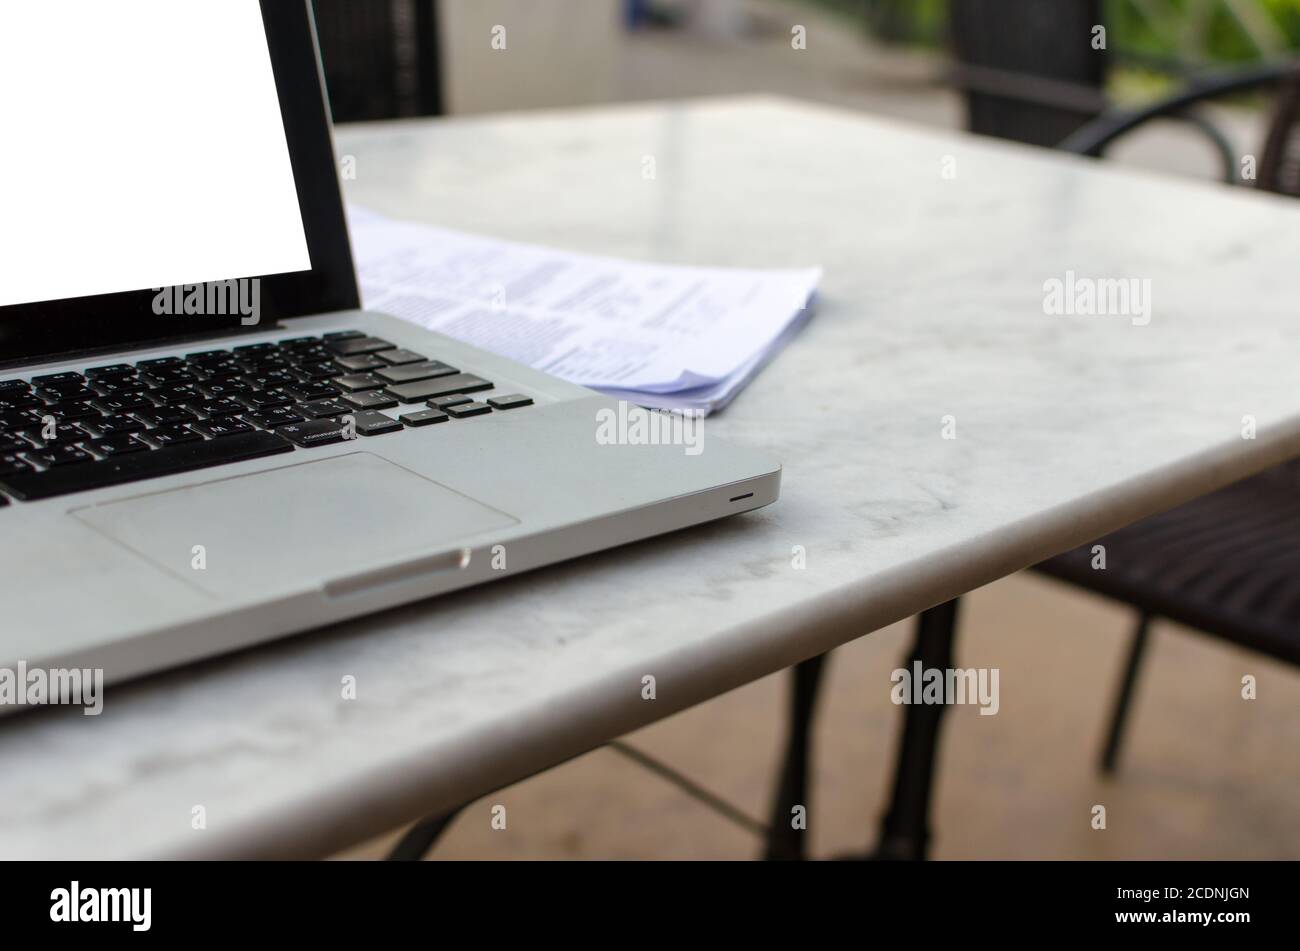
(204, 441)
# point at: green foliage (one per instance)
(922, 22)
(905, 21)
(1177, 30)
(1186, 31)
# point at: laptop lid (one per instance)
(152, 147)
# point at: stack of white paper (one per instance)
(666, 336)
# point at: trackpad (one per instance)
(300, 526)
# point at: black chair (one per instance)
(1227, 564)
(381, 58)
(1278, 168)
(1027, 68)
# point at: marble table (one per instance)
(936, 249)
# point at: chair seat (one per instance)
(1227, 564)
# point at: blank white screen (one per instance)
(141, 146)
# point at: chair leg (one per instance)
(1119, 715)
(784, 841)
(905, 832)
(421, 837)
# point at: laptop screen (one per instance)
(151, 146)
(169, 167)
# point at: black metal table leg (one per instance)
(421, 837)
(784, 840)
(1118, 718)
(905, 832)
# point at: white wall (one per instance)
(558, 53)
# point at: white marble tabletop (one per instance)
(936, 248)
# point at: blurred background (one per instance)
(1184, 87)
(1029, 70)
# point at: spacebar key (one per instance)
(171, 460)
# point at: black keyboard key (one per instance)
(357, 382)
(221, 428)
(59, 381)
(299, 343)
(58, 455)
(66, 433)
(19, 420)
(343, 335)
(272, 418)
(310, 391)
(225, 370)
(12, 464)
(314, 432)
(110, 371)
(74, 394)
(270, 379)
(317, 354)
(11, 443)
(399, 357)
(165, 416)
(256, 348)
(267, 399)
(219, 407)
(17, 401)
(370, 399)
(513, 401)
(126, 402)
(415, 371)
(159, 363)
(112, 426)
(117, 384)
(71, 412)
(443, 402)
(372, 423)
(166, 375)
(203, 357)
(423, 390)
(466, 410)
(352, 346)
(209, 358)
(264, 362)
(13, 386)
(176, 393)
(117, 445)
(143, 465)
(367, 361)
(323, 370)
(425, 417)
(225, 388)
(324, 409)
(171, 435)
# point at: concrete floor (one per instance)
(1206, 774)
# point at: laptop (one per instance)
(205, 441)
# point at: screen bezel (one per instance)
(40, 331)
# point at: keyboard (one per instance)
(107, 425)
